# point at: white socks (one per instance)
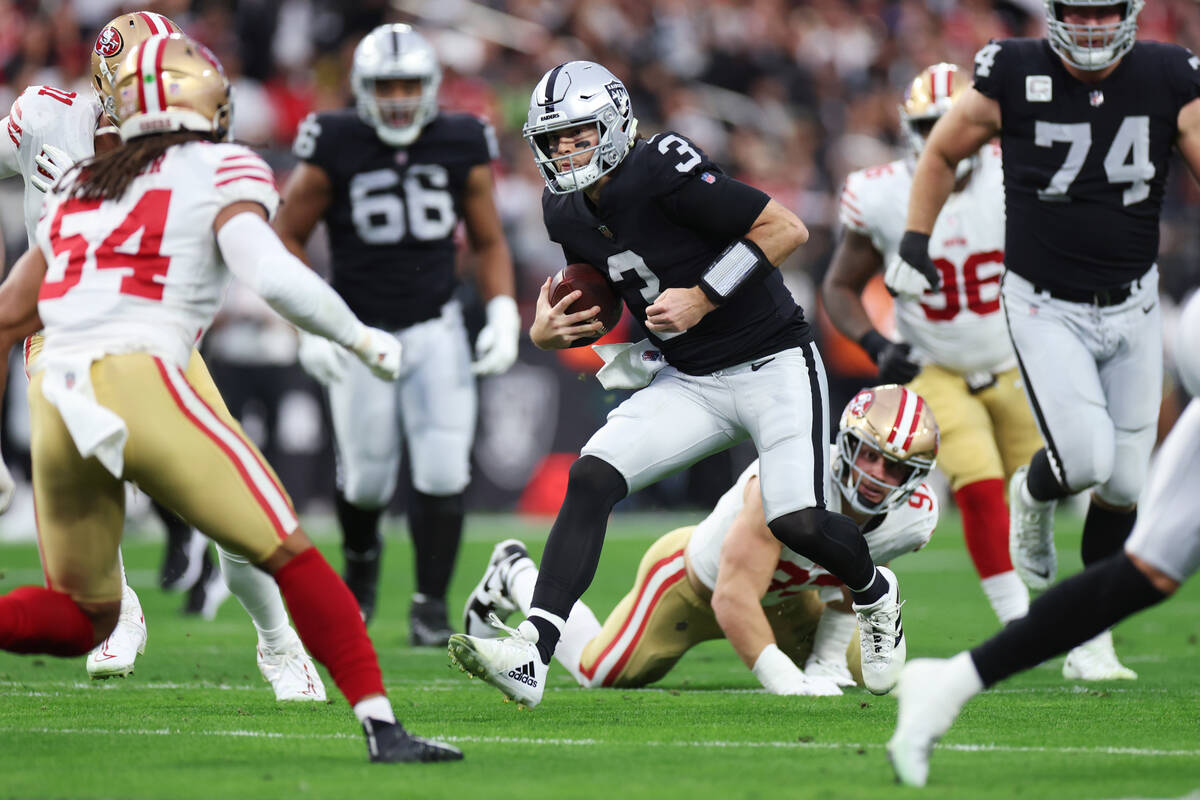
(259, 595)
(377, 707)
(1008, 595)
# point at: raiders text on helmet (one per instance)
(574, 94)
(172, 83)
(895, 422)
(395, 52)
(1092, 47)
(115, 41)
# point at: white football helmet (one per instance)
(172, 83)
(573, 94)
(895, 422)
(395, 52)
(1092, 47)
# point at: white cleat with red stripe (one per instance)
(115, 656)
(291, 673)
(511, 663)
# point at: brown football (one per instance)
(596, 292)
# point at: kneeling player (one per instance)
(729, 577)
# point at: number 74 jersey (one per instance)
(959, 326)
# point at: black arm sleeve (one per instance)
(716, 205)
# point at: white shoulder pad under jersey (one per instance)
(44, 115)
(148, 276)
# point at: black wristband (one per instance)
(740, 264)
(874, 343)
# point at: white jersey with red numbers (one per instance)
(904, 530)
(44, 115)
(143, 273)
(960, 326)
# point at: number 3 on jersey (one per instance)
(147, 266)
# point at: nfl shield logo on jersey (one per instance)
(1096, 98)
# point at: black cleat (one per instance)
(389, 743)
(209, 591)
(183, 560)
(427, 622)
(361, 574)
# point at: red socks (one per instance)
(327, 619)
(38, 620)
(985, 525)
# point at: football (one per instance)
(596, 292)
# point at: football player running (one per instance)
(954, 349)
(1162, 552)
(693, 254)
(392, 179)
(729, 576)
(134, 251)
(1087, 119)
(49, 130)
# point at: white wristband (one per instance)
(776, 672)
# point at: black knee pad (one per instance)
(596, 479)
(829, 539)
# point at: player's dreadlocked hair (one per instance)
(106, 176)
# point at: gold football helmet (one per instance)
(927, 98)
(172, 83)
(896, 423)
(115, 41)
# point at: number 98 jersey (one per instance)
(1085, 164)
(393, 211)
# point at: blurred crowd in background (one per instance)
(789, 95)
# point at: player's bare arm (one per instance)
(18, 299)
(748, 559)
(554, 329)
(486, 235)
(970, 123)
(306, 196)
(1188, 140)
(855, 261)
(777, 232)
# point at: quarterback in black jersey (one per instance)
(1087, 118)
(692, 253)
(392, 179)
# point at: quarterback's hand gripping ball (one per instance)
(913, 273)
(380, 351)
(594, 291)
(324, 360)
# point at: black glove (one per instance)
(891, 357)
(914, 249)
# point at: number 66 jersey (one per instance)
(142, 273)
(959, 326)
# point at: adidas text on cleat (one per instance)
(881, 638)
(389, 743)
(1031, 534)
(491, 595)
(115, 656)
(1096, 660)
(291, 673)
(511, 663)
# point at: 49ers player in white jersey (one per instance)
(136, 248)
(729, 577)
(954, 349)
(47, 131)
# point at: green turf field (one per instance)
(196, 719)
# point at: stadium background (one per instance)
(790, 96)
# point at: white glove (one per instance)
(380, 351)
(54, 161)
(324, 360)
(779, 675)
(496, 346)
(904, 279)
(6, 487)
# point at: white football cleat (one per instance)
(490, 595)
(1031, 534)
(291, 673)
(930, 694)
(115, 656)
(1096, 660)
(839, 673)
(881, 638)
(511, 663)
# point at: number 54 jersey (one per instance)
(959, 326)
(142, 273)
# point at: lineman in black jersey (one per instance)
(1087, 119)
(692, 254)
(392, 181)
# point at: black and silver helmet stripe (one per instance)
(548, 101)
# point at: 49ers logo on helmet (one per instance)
(861, 403)
(109, 42)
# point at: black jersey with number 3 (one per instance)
(393, 210)
(644, 240)
(1084, 163)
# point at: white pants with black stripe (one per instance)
(779, 402)
(1093, 376)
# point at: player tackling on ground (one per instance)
(135, 249)
(692, 253)
(730, 577)
(1088, 118)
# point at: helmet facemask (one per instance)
(395, 53)
(112, 45)
(1092, 47)
(852, 479)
